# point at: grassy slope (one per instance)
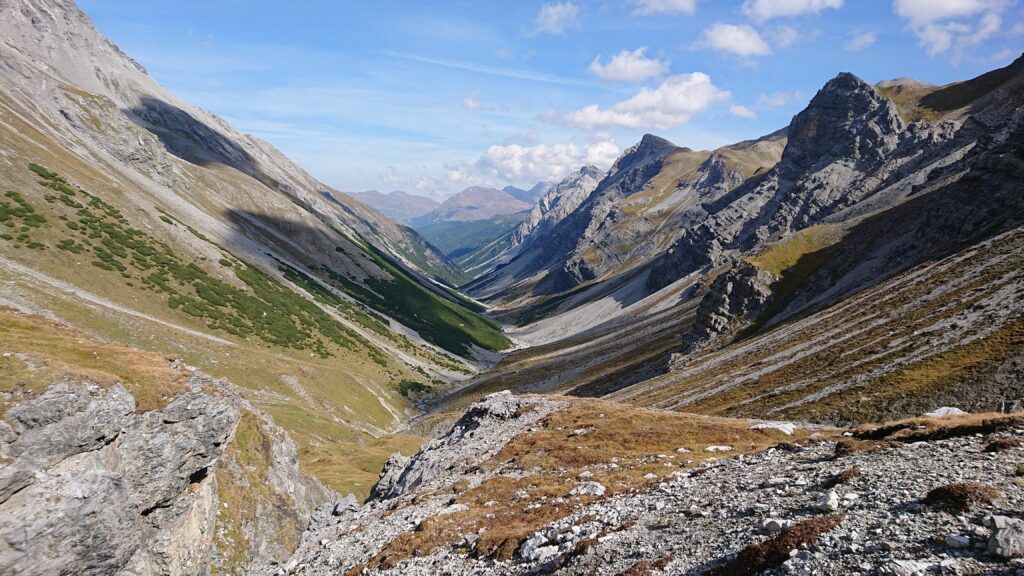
(438, 320)
(878, 354)
(334, 382)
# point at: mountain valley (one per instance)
(801, 353)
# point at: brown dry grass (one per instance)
(40, 352)
(761, 556)
(552, 457)
(646, 568)
(960, 496)
(847, 446)
(927, 429)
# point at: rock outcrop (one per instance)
(91, 486)
(734, 300)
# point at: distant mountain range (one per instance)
(401, 206)
(529, 196)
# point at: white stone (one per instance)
(718, 449)
(828, 502)
(784, 427)
(958, 541)
(775, 524)
(588, 489)
(944, 412)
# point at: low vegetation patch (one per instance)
(771, 553)
(846, 447)
(960, 496)
(413, 388)
(930, 429)
(253, 305)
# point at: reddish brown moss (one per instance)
(960, 496)
(771, 553)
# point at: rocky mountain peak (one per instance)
(650, 148)
(846, 118)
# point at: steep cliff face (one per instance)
(848, 154)
(555, 205)
(734, 300)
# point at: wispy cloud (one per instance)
(646, 7)
(761, 10)
(742, 112)
(951, 25)
(554, 18)
(515, 73)
(777, 99)
(860, 41)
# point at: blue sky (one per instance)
(431, 97)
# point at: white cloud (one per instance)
(517, 164)
(472, 102)
(740, 40)
(761, 10)
(957, 25)
(554, 18)
(627, 66)
(672, 103)
(644, 7)
(742, 112)
(859, 41)
(777, 99)
(784, 36)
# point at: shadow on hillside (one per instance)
(190, 139)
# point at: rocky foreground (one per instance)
(530, 484)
